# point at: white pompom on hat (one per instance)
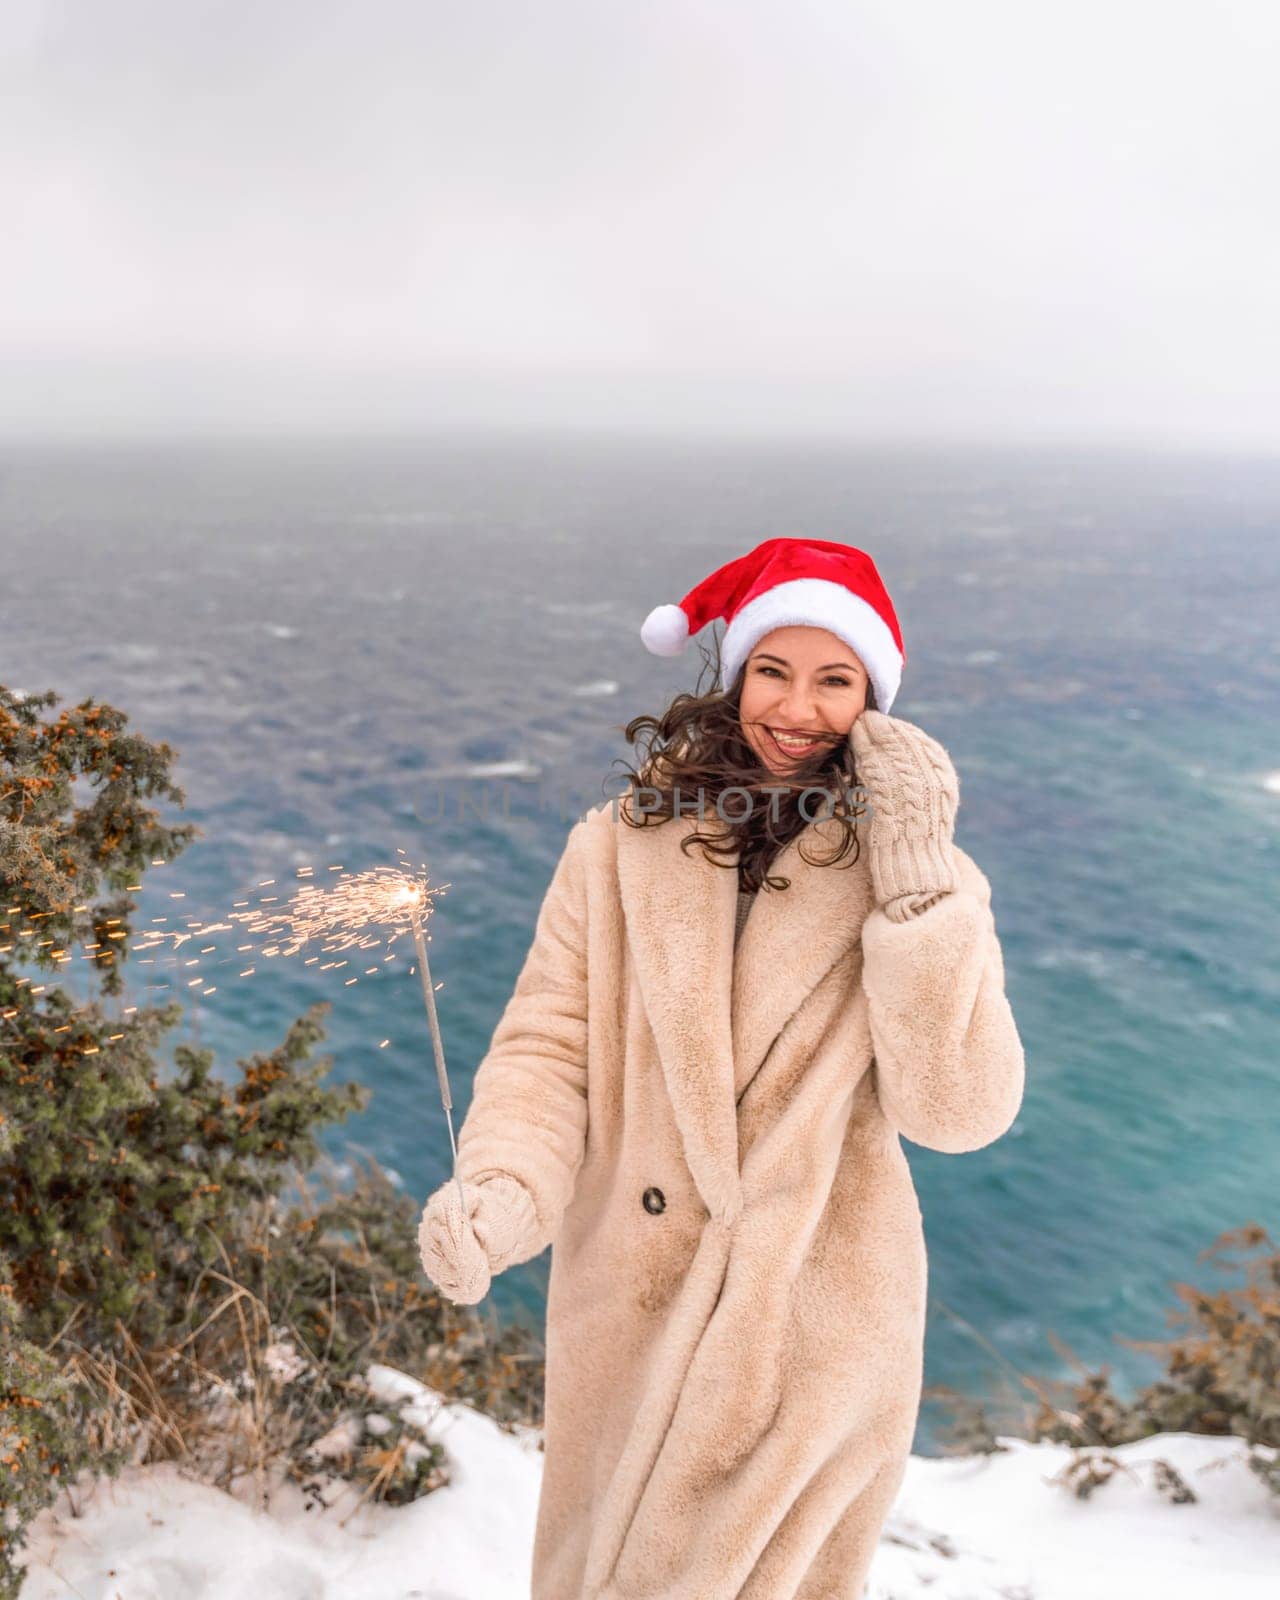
(785, 583)
(665, 631)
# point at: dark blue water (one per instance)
(357, 647)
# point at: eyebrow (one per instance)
(763, 655)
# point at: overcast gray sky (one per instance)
(1000, 217)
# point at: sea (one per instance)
(367, 652)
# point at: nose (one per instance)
(796, 709)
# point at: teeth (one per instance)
(793, 743)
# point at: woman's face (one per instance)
(801, 682)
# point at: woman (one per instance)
(701, 1108)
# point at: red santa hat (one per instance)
(781, 583)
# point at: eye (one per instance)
(836, 678)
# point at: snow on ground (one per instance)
(970, 1527)
(964, 1528)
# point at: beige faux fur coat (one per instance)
(710, 1137)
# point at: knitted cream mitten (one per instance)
(913, 794)
(461, 1255)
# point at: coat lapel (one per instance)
(714, 1018)
(791, 940)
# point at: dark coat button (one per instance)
(655, 1201)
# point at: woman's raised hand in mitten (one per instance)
(460, 1254)
(913, 793)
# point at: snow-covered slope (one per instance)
(964, 1528)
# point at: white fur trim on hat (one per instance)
(665, 631)
(817, 603)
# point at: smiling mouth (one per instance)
(800, 744)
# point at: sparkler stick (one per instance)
(437, 1044)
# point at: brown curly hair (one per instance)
(697, 749)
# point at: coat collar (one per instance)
(714, 1018)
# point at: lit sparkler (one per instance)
(342, 916)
